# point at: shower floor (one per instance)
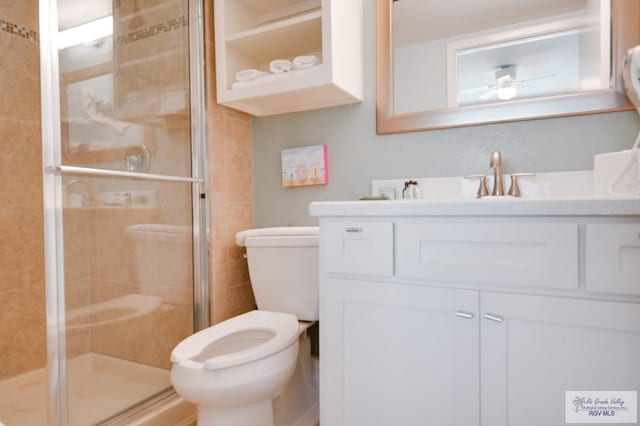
(99, 387)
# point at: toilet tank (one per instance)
(283, 267)
(163, 260)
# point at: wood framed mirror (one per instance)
(468, 63)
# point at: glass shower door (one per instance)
(125, 216)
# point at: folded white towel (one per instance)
(279, 66)
(249, 74)
(302, 62)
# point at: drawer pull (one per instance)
(353, 229)
(465, 315)
(492, 317)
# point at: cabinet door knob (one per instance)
(493, 317)
(465, 315)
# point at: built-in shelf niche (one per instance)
(252, 33)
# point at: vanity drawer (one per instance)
(541, 255)
(354, 247)
(613, 259)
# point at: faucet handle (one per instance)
(483, 190)
(514, 190)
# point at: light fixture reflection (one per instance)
(86, 33)
(507, 92)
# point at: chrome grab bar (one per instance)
(88, 171)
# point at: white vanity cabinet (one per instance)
(380, 343)
(534, 348)
(473, 320)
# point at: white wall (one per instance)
(357, 155)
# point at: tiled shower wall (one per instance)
(150, 58)
(22, 310)
(230, 193)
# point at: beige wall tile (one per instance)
(22, 327)
(21, 154)
(229, 143)
(238, 176)
(24, 12)
(217, 160)
(237, 134)
(79, 244)
(238, 115)
(241, 299)
(238, 273)
(21, 248)
(219, 225)
(20, 77)
(240, 219)
(22, 308)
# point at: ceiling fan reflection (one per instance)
(506, 86)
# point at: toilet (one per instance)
(256, 369)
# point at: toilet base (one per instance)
(259, 413)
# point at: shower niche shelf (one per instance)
(249, 34)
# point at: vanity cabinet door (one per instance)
(534, 348)
(395, 354)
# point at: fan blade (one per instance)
(526, 85)
(488, 95)
(477, 89)
(537, 78)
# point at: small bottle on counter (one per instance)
(411, 190)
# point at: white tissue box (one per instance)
(606, 168)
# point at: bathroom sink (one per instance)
(542, 185)
(561, 193)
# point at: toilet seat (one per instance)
(283, 326)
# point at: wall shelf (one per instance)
(251, 33)
(297, 35)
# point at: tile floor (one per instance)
(99, 387)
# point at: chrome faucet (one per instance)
(498, 181)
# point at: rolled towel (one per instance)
(302, 62)
(249, 74)
(278, 66)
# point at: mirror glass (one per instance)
(468, 52)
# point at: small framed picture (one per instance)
(304, 166)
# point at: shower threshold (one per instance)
(99, 386)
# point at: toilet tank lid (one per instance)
(283, 231)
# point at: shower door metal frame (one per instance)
(52, 173)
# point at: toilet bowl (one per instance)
(233, 370)
(256, 369)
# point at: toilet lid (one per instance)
(283, 326)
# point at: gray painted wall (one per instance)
(357, 155)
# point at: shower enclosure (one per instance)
(124, 211)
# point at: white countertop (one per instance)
(490, 206)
